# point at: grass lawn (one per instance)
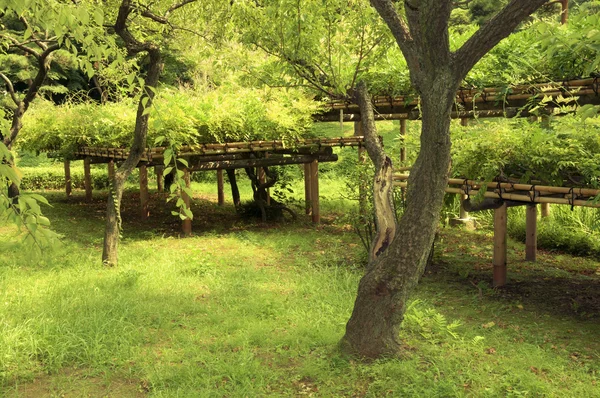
(244, 309)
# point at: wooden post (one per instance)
(220, 192)
(307, 187)
(144, 192)
(314, 191)
(160, 179)
(545, 210)
(87, 179)
(531, 232)
(68, 186)
(499, 260)
(402, 139)
(187, 223)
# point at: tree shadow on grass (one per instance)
(83, 221)
(558, 284)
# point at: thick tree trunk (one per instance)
(372, 331)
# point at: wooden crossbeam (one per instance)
(305, 146)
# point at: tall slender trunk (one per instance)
(373, 328)
(235, 191)
(113, 205)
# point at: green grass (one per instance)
(245, 309)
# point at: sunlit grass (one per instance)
(252, 310)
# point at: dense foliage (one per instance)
(565, 153)
(183, 117)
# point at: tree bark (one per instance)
(113, 205)
(372, 330)
(436, 72)
(383, 189)
(235, 192)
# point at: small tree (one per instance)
(35, 30)
(157, 23)
(421, 31)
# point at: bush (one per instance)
(559, 232)
(53, 178)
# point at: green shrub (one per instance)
(53, 178)
(575, 233)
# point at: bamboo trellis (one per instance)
(525, 194)
(480, 102)
(226, 148)
(529, 193)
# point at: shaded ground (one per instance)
(556, 283)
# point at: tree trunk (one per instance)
(113, 206)
(383, 189)
(235, 192)
(372, 330)
(113, 221)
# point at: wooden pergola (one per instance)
(219, 157)
(516, 101)
(501, 195)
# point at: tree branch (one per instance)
(10, 88)
(179, 5)
(22, 46)
(490, 34)
(399, 29)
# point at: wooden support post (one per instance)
(220, 191)
(464, 121)
(144, 197)
(463, 214)
(402, 144)
(314, 191)
(499, 260)
(68, 186)
(307, 188)
(187, 223)
(160, 179)
(87, 179)
(531, 232)
(545, 210)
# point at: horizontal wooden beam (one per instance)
(262, 162)
(517, 197)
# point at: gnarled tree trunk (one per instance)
(436, 72)
(113, 205)
(372, 330)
